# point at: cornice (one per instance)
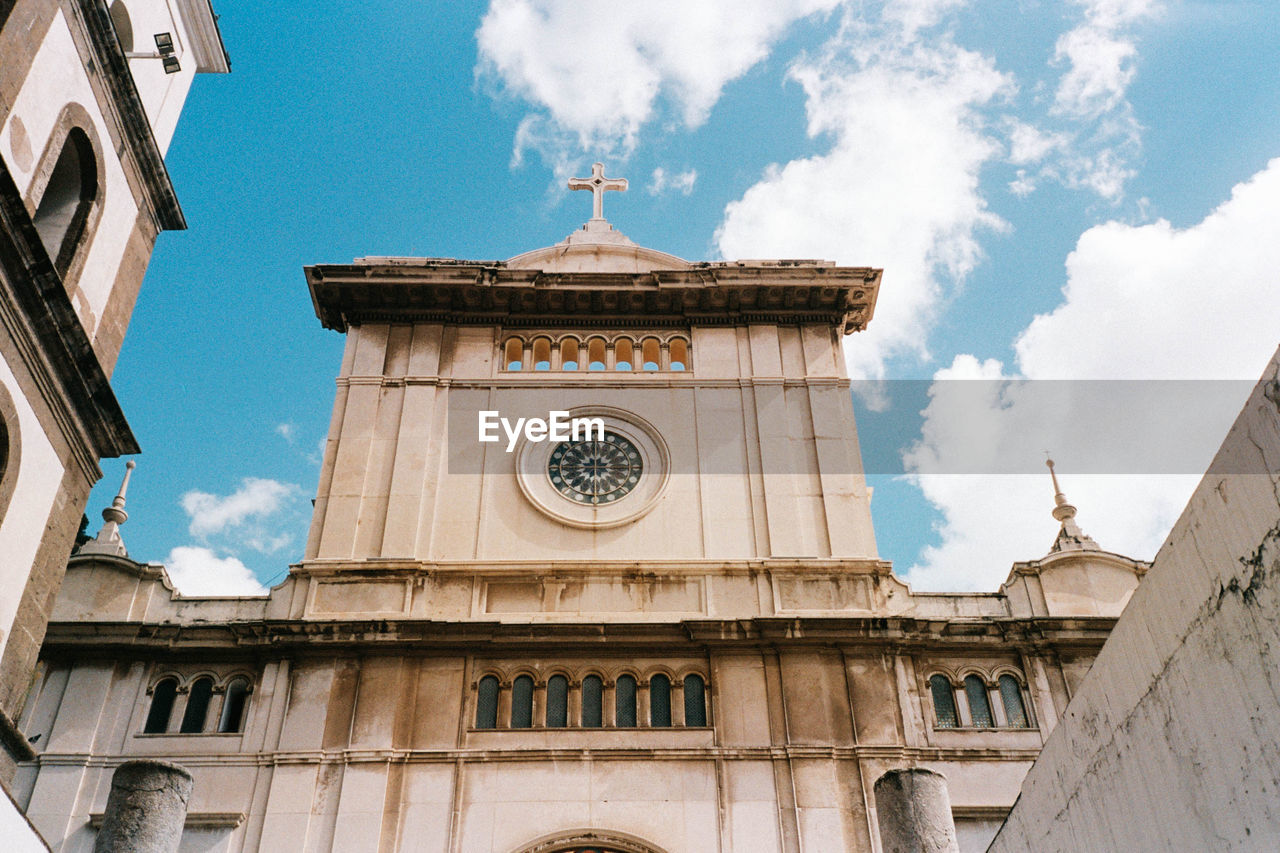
(299, 637)
(491, 294)
(883, 752)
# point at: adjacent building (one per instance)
(90, 95)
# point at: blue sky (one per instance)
(1054, 189)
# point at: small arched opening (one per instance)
(193, 718)
(63, 212)
(234, 704)
(162, 698)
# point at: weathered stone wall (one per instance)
(1173, 740)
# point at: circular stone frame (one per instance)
(531, 473)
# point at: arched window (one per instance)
(592, 701)
(625, 694)
(944, 703)
(162, 696)
(197, 706)
(234, 705)
(595, 354)
(541, 353)
(975, 690)
(522, 703)
(569, 354)
(487, 703)
(557, 701)
(695, 701)
(123, 26)
(679, 350)
(650, 352)
(63, 211)
(622, 354)
(1011, 697)
(514, 355)
(659, 701)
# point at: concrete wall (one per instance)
(1172, 741)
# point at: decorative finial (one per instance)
(598, 184)
(1070, 537)
(108, 540)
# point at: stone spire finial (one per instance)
(108, 540)
(1070, 537)
(598, 184)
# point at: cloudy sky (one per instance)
(1056, 190)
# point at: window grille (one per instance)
(1011, 696)
(944, 703)
(975, 690)
(522, 703)
(557, 701)
(625, 694)
(487, 703)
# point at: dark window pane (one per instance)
(197, 706)
(522, 703)
(487, 703)
(626, 704)
(975, 690)
(944, 703)
(659, 700)
(234, 705)
(592, 701)
(695, 701)
(63, 212)
(557, 701)
(1011, 696)
(162, 696)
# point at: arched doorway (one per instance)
(589, 841)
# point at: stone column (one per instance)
(146, 808)
(914, 812)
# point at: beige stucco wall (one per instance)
(377, 751)
(784, 481)
(1170, 741)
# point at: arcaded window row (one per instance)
(659, 701)
(647, 353)
(975, 699)
(209, 705)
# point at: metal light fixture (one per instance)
(164, 52)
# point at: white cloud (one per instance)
(1140, 302)
(286, 431)
(201, 572)
(1099, 57)
(1098, 134)
(1023, 185)
(255, 499)
(681, 182)
(1029, 144)
(596, 74)
(898, 188)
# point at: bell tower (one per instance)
(729, 450)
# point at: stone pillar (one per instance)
(146, 808)
(914, 812)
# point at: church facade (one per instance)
(673, 634)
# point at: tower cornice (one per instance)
(486, 293)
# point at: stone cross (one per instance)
(597, 183)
